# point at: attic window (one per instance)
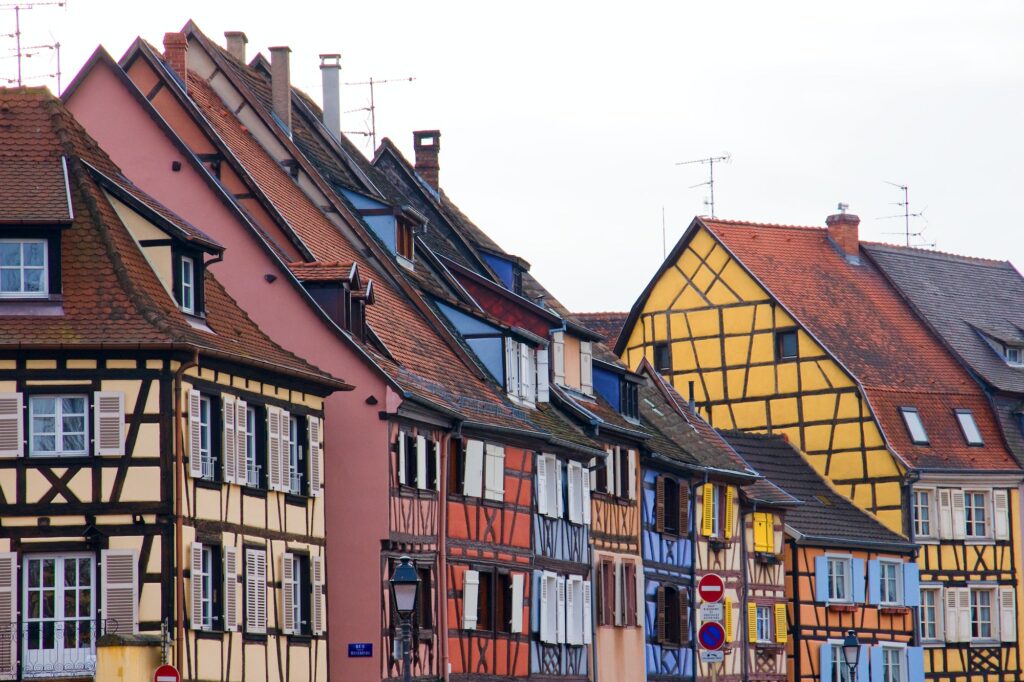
(188, 282)
(915, 426)
(23, 268)
(1014, 355)
(629, 400)
(786, 347)
(969, 427)
(404, 240)
(662, 356)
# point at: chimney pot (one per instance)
(176, 54)
(427, 144)
(843, 231)
(330, 70)
(236, 41)
(281, 84)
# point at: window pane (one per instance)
(969, 427)
(34, 280)
(10, 280)
(10, 253)
(33, 253)
(914, 425)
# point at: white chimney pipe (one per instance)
(330, 70)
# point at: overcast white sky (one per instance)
(562, 121)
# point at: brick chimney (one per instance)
(176, 54)
(236, 41)
(330, 72)
(842, 230)
(427, 144)
(281, 84)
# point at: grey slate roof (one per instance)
(824, 516)
(960, 298)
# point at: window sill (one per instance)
(769, 647)
(302, 640)
(249, 491)
(295, 500)
(254, 637)
(842, 608)
(767, 558)
(979, 541)
(412, 491)
(208, 484)
(209, 634)
(985, 643)
(893, 609)
(43, 306)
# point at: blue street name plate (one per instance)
(360, 650)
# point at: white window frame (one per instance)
(970, 510)
(1008, 355)
(896, 567)
(294, 456)
(58, 425)
(54, 658)
(900, 651)
(252, 469)
(915, 425)
(187, 289)
(21, 267)
(969, 427)
(840, 671)
(993, 612)
(847, 562)
(764, 619)
(938, 612)
(206, 580)
(206, 437)
(929, 507)
(296, 588)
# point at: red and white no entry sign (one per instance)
(166, 673)
(711, 588)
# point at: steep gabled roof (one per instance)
(111, 297)
(609, 325)
(823, 515)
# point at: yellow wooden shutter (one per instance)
(709, 509)
(781, 632)
(764, 532)
(728, 620)
(729, 518)
(751, 622)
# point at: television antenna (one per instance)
(26, 52)
(907, 215)
(373, 106)
(710, 161)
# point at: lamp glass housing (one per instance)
(851, 649)
(405, 587)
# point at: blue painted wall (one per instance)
(607, 386)
(489, 350)
(382, 225)
(502, 268)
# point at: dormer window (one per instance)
(187, 284)
(969, 427)
(23, 268)
(1014, 355)
(629, 400)
(405, 243)
(912, 419)
(188, 281)
(522, 378)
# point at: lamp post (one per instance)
(851, 653)
(405, 588)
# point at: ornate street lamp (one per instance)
(851, 653)
(405, 588)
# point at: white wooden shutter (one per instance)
(9, 612)
(108, 422)
(575, 473)
(945, 514)
(559, 498)
(516, 624)
(438, 475)
(12, 438)
(620, 594)
(543, 386)
(1007, 614)
(195, 435)
(288, 624)
(470, 592)
(255, 591)
(317, 569)
(284, 481)
(241, 441)
(316, 455)
(542, 484)
(586, 497)
(512, 367)
(951, 620)
(587, 367)
(1001, 518)
(473, 482)
(401, 459)
(560, 586)
(959, 522)
(587, 612)
(196, 586)
(230, 588)
(548, 627)
(558, 357)
(229, 453)
(573, 610)
(527, 373)
(611, 460)
(494, 470)
(631, 485)
(273, 447)
(640, 595)
(119, 580)
(421, 463)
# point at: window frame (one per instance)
(58, 432)
(297, 455)
(930, 507)
(938, 611)
(302, 593)
(664, 350)
(781, 336)
(764, 615)
(840, 670)
(987, 520)
(207, 449)
(716, 510)
(1008, 350)
(993, 612)
(405, 240)
(187, 289)
(847, 579)
(975, 439)
(60, 590)
(917, 439)
(900, 651)
(21, 267)
(896, 567)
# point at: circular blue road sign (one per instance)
(711, 636)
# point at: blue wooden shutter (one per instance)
(911, 585)
(862, 663)
(874, 582)
(857, 570)
(876, 664)
(825, 658)
(915, 664)
(821, 579)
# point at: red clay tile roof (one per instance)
(111, 295)
(608, 325)
(32, 181)
(321, 271)
(864, 323)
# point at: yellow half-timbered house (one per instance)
(793, 331)
(160, 458)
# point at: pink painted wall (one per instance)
(356, 440)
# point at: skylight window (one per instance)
(969, 427)
(915, 426)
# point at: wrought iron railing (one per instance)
(55, 648)
(252, 475)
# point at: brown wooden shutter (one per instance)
(607, 593)
(120, 595)
(660, 617)
(629, 587)
(108, 419)
(684, 615)
(230, 588)
(659, 505)
(684, 508)
(9, 613)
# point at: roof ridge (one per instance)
(751, 223)
(936, 253)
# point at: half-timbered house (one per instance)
(793, 330)
(844, 571)
(154, 434)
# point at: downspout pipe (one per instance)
(179, 484)
(442, 547)
(745, 573)
(693, 581)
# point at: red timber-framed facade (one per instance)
(126, 502)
